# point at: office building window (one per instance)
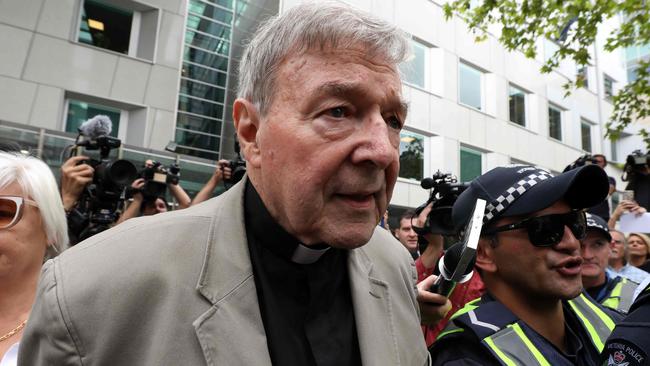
(411, 155)
(585, 129)
(583, 74)
(555, 122)
(414, 71)
(471, 164)
(470, 86)
(79, 112)
(517, 102)
(105, 26)
(122, 26)
(608, 86)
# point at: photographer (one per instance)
(221, 172)
(637, 174)
(75, 176)
(141, 207)
(183, 199)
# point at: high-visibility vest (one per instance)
(502, 333)
(621, 295)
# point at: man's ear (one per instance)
(247, 123)
(485, 255)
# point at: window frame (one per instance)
(608, 80)
(426, 48)
(585, 122)
(470, 150)
(512, 86)
(481, 73)
(425, 154)
(123, 123)
(561, 114)
(137, 37)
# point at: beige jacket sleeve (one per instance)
(47, 339)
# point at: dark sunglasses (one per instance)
(11, 210)
(548, 230)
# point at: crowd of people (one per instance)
(290, 267)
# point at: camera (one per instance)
(634, 164)
(445, 189)
(237, 166)
(156, 177)
(586, 159)
(98, 204)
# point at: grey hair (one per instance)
(308, 26)
(37, 182)
(625, 250)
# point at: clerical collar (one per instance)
(272, 236)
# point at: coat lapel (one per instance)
(372, 311)
(231, 332)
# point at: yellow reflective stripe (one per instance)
(614, 297)
(538, 355)
(449, 332)
(498, 352)
(604, 317)
(467, 308)
(590, 329)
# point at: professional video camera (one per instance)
(586, 159)
(156, 177)
(635, 163)
(99, 201)
(237, 166)
(445, 189)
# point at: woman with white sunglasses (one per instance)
(32, 228)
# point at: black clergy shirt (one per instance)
(306, 308)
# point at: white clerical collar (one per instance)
(306, 255)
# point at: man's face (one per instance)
(524, 270)
(600, 161)
(618, 246)
(328, 146)
(595, 250)
(406, 235)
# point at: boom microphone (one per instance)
(95, 127)
(427, 183)
(457, 265)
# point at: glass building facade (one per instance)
(215, 30)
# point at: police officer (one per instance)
(629, 344)
(534, 311)
(613, 292)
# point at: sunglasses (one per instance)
(11, 210)
(548, 230)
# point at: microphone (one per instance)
(95, 127)
(457, 264)
(427, 183)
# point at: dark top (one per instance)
(602, 209)
(645, 266)
(640, 184)
(306, 308)
(629, 343)
(464, 348)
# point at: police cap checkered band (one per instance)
(598, 223)
(524, 189)
(511, 194)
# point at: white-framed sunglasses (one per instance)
(11, 210)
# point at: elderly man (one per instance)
(618, 265)
(529, 256)
(285, 268)
(611, 291)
